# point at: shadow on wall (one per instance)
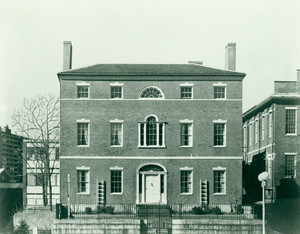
(288, 189)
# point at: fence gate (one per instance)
(156, 219)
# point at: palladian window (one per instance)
(152, 133)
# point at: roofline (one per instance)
(277, 99)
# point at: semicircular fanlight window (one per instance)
(151, 92)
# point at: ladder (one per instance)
(204, 192)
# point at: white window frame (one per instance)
(117, 121)
(245, 136)
(295, 109)
(157, 133)
(188, 169)
(250, 133)
(116, 85)
(121, 169)
(270, 123)
(187, 121)
(219, 121)
(263, 128)
(187, 85)
(221, 85)
(87, 170)
(256, 130)
(295, 164)
(82, 84)
(83, 121)
(223, 169)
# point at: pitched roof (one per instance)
(149, 70)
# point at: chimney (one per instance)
(230, 56)
(196, 62)
(67, 56)
(298, 81)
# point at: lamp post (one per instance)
(262, 177)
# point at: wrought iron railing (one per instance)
(176, 211)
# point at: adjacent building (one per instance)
(34, 174)
(272, 142)
(151, 133)
(11, 154)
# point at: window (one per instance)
(186, 182)
(186, 134)
(256, 130)
(270, 124)
(290, 165)
(82, 91)
(186, 92)
(35, 179)
(219, 134)
(116, 181)
(57, 153)
(116, 134)
(219, 92)
(219, 182)
(151, 92)
(83, 181)
(31, 180)
(250, 134)
(151, 133)
(262, 128)
(245, 136)
(116, 92)
(290, 121)
(82, 134)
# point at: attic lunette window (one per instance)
(151, 92)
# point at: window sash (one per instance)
(116, 181)
(186, 181)
(186, 92)
(116, 134)
(290, 122)
(219, 92)
(219, 181)
(82, 91)
(83, 133)
(186, 134)
(219, 134)
(290, 166)
(116, 92)
(83, 181)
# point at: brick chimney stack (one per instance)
(67, 56)
(230, 56)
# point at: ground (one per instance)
(283, 216)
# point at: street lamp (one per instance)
(262, 177)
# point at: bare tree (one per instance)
(38, 122)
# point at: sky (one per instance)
(144, 31)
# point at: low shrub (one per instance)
(216, 210)
(239, 209)
(88, 210)
(105, 210)
(200, 210)
(22, 228)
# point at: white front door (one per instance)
(152, 189)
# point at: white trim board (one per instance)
(154, 157)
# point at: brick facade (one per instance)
(98, 110)
(268, 152)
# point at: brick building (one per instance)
(11, 153)
(151, 133)
(272, 142)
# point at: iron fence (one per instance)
(175, 211)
